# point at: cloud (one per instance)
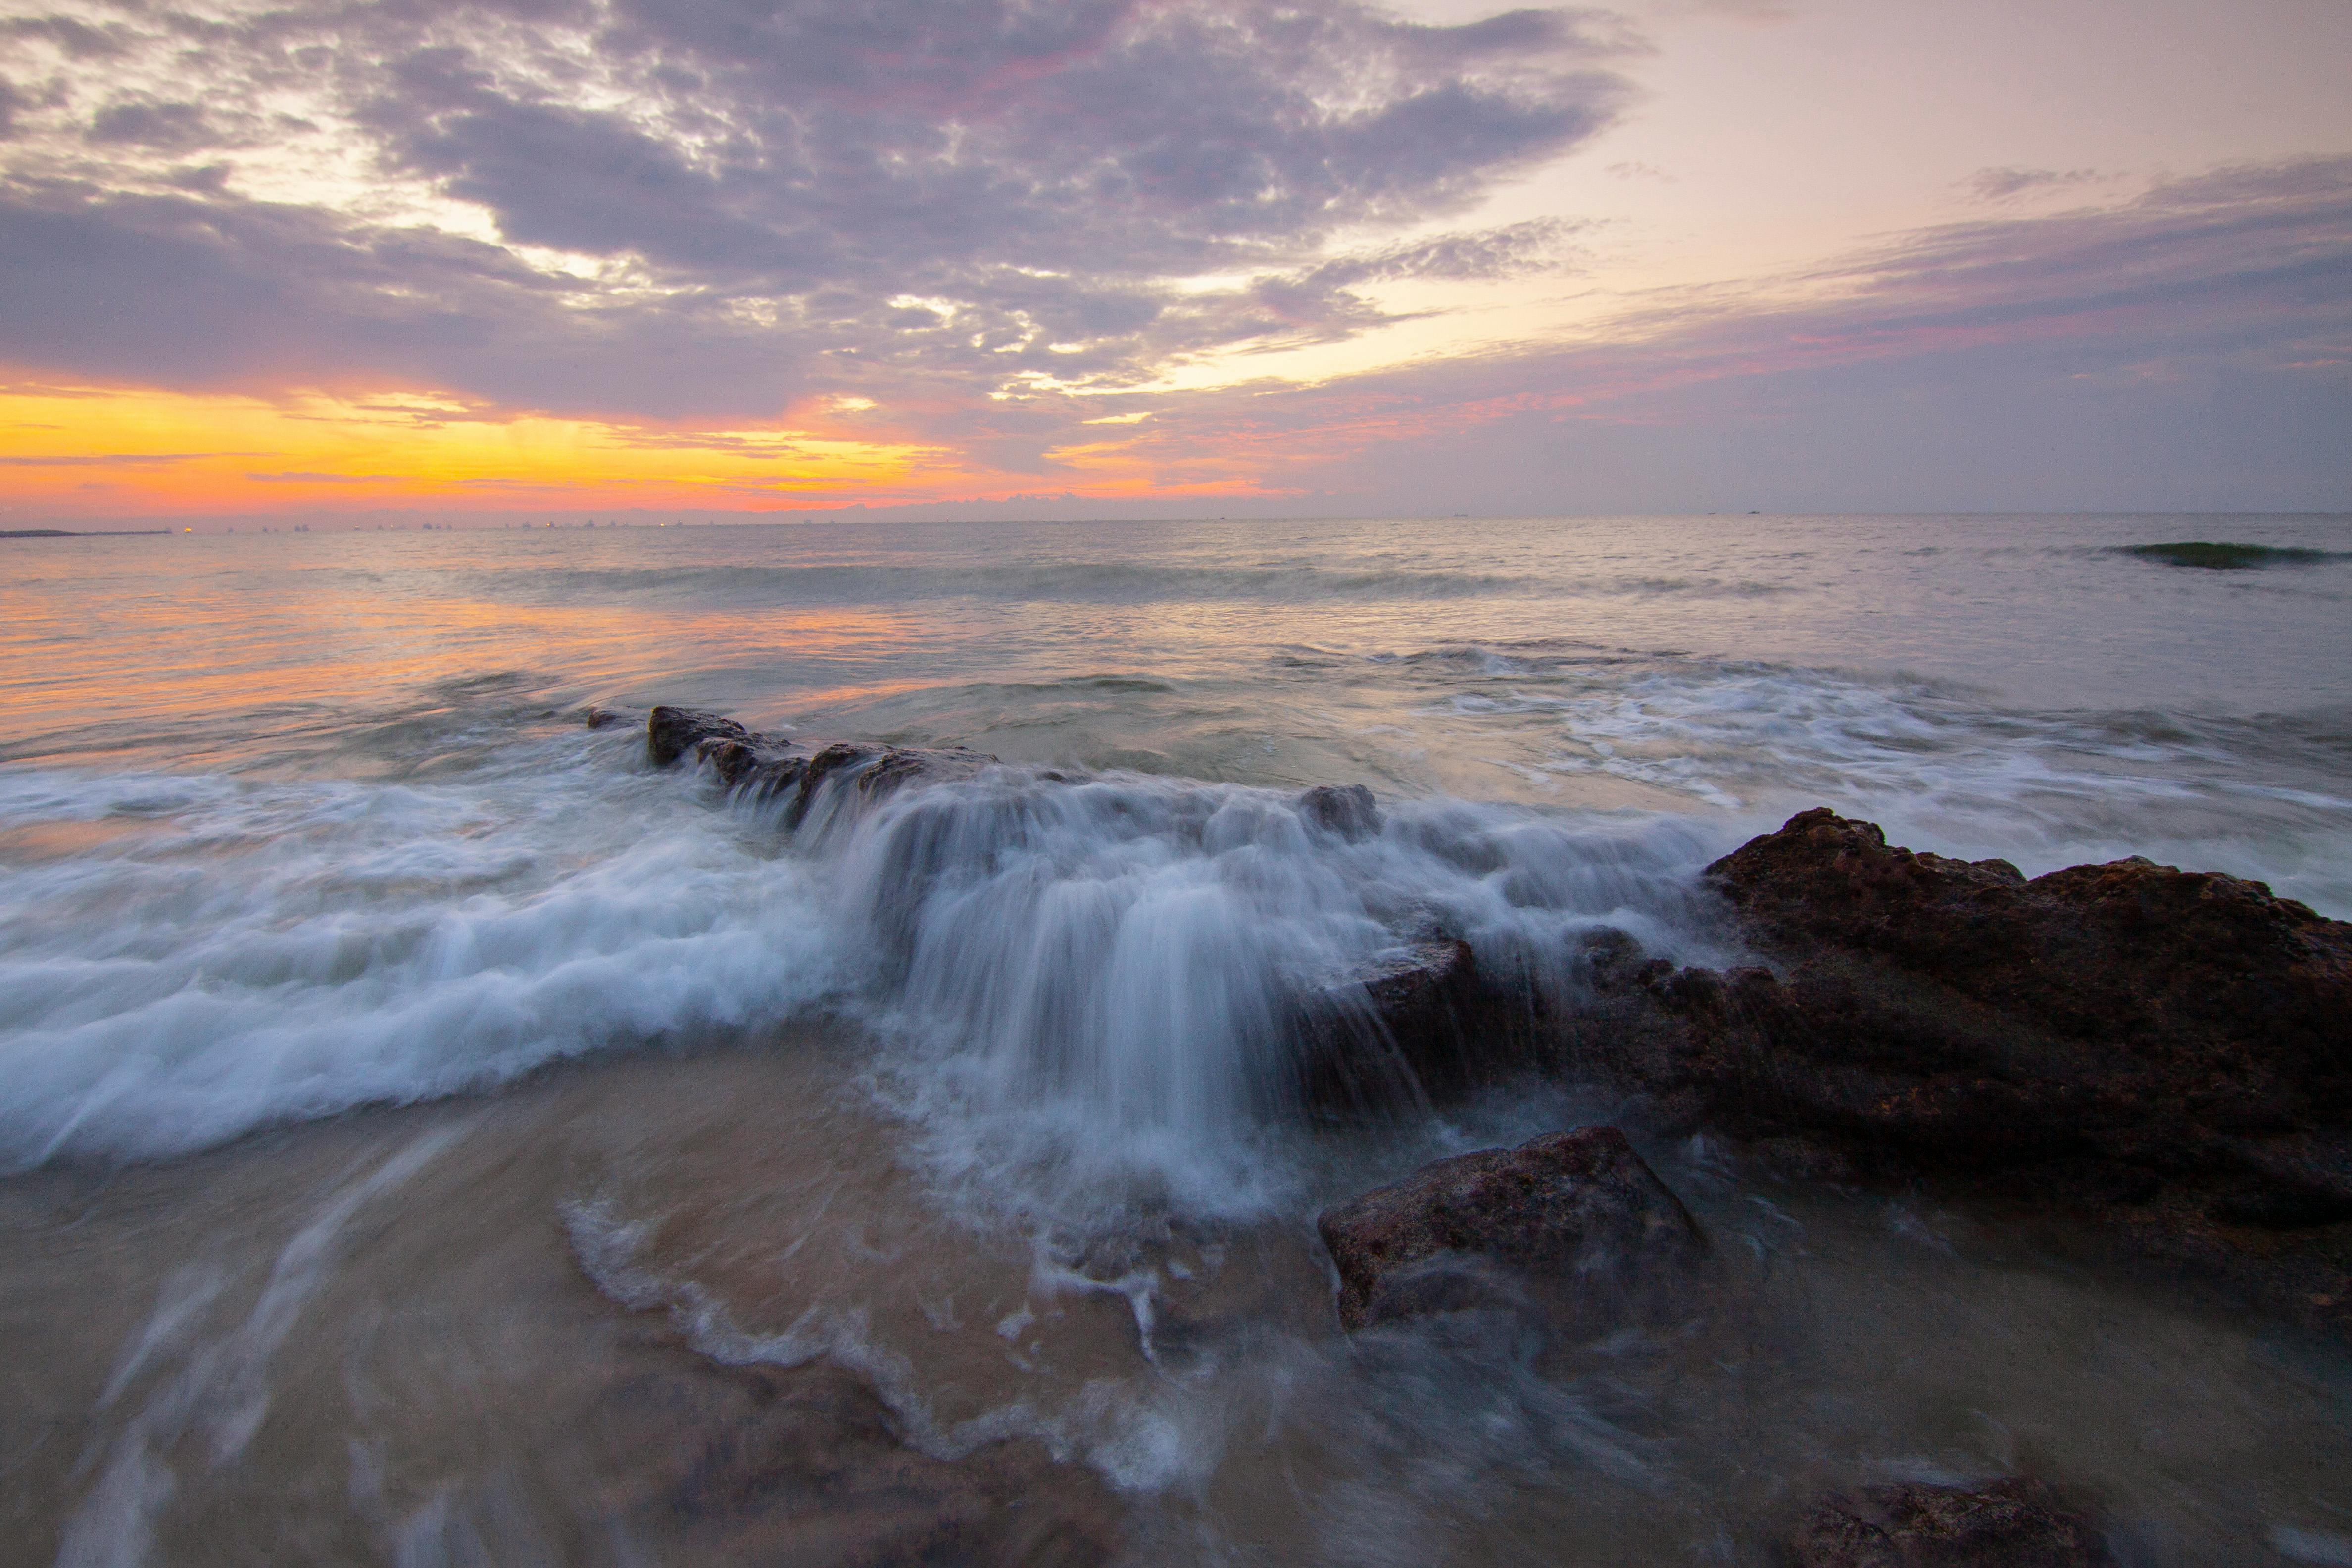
(2242, 274)
(991, 229)
(114, 459)
(77, 39)
(700, 207)
(303, 477)
(2003, 185)
(167, 127)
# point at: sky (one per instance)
(533, 258)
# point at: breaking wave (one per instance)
(215, 955)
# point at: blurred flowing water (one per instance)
(979, 1095)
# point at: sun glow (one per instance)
(82, 451)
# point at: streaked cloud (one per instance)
(2002, 185)
(630, 252)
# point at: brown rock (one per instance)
(2014, 1523)
(751, 764)
(2237, 998)
(671, 732)
(1571, 1222)
(1403, 1028)
(876, 772)
(1952, 1012)
(730, 758)
(2169, 1052)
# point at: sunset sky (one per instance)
(553, 257)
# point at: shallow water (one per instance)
(981, 1095)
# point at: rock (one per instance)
(2169, 1052)
(602, 717)
(671, 732)
(1575, 1221)
(902, 765)
(2014, 1523)
(730, 758)
(1403, 1028)
(1344, 809)
(753, 765)
(2188, 1021)
(872, 772)
(2246, 997)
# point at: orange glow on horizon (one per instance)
(69, 452)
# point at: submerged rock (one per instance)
(760, 1465)
(1572, 1222)
(2014, 1523)
(1347, 810)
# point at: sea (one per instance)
(403, 1083)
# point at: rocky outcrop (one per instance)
(671, 732)
(764, 768)
(1573, 1224)
(2014, 1523)
(2189, 994)
(2169, 1052)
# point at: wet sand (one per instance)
(694, 1310)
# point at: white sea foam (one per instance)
(1113, 953)
(245, 954)
(1090, 975)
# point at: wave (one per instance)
(1076, 975)
(203, 956)
(1091, 582)
(214, 955)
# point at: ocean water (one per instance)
(337, 955)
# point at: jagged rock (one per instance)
(879, 770)
(1404, 1027)
(1573, 1222)
(1345, 809)
(729, 758)
(2247, 996)
(671, 732)
(903, 765)
(751, 765)
(2178, 1020)
(876, 772)
(2169, 1050)
(2014, 1523)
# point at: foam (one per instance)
(271, 952)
